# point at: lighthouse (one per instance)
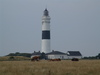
(45, 32)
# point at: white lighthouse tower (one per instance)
(46, 32)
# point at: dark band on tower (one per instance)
(45, 34)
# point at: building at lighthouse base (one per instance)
(58, 55)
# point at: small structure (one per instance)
(75, 59)
(56, 55)
(55, 59)
(36, 54)
(74, 54)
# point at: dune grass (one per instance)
(15, 58)
(44, 67)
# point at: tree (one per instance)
(11, 58)
(20, 54)
(98, 56)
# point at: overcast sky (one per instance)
(75, 25)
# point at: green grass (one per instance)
(44, 67)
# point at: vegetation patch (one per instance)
(44, 67)
(14, 58)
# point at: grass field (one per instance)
(44, 67)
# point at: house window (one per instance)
(61, 57)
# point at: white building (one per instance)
(56, 55)
(74, 54)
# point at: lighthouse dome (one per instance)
(46, 13)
